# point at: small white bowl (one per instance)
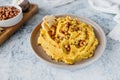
(12, 21)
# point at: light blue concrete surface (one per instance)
(18, 62)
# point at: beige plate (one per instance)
(43, 56)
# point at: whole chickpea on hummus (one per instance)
(67, 39)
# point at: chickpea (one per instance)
(82, 43)
(67, 47)
(8, 12)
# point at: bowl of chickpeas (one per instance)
(10, 15)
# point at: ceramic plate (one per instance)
(43, 56)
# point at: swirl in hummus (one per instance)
(67, 39)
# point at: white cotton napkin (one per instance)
(108, 6)
(112, 7)
(115, 33)
(55, 3)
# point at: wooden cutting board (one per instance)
(26, 16)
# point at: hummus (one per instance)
(67, 39)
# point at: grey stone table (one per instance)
(18, 61)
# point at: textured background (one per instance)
(18, 62)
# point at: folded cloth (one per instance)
(108, 6)
(55, 3)
(117, 18)
(112, 7)
(115, 33)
